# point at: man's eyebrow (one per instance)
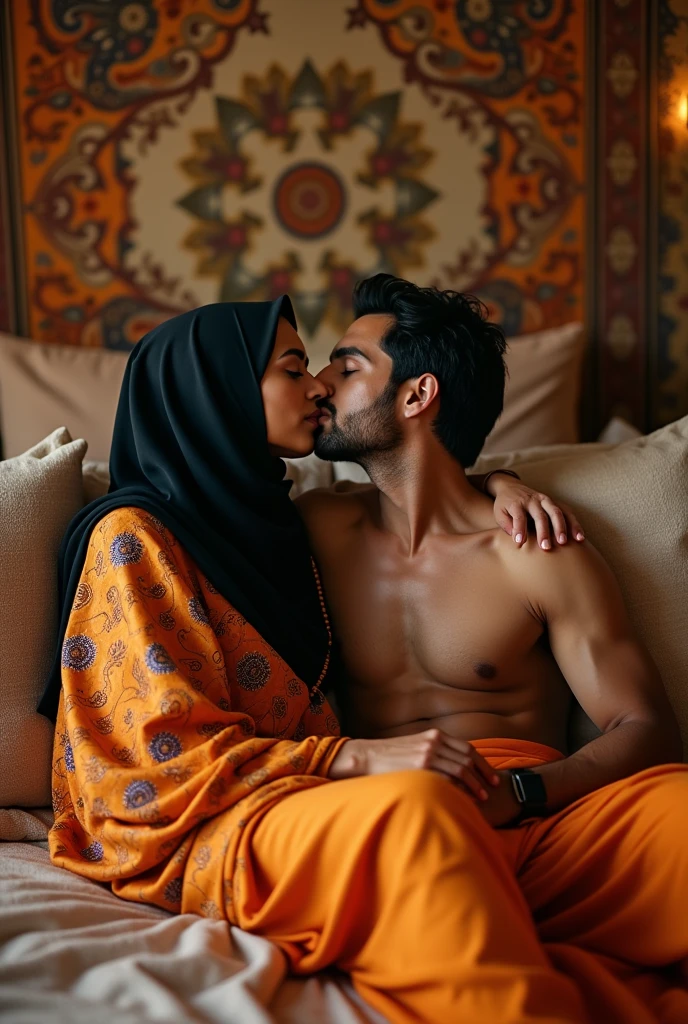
(349, 350)
(295, 352)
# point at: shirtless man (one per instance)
(450, 630)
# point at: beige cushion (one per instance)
(41, 385)
(96, 480)
(20, 826)
(633, 504)
(306, 473)
(40, 491)
(543, 453)
(44, 384)
(617, 431)
(541, 399)
(542, 394)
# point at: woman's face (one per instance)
(290, 395)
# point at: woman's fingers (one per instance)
(557, 519)
(503, 518)
(519, 529)
(574, 527)
(542, 524)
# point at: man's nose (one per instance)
(317, 390)
(325, 380)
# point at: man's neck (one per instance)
(424, 492)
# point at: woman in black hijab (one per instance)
(190, 446)
(195, 644)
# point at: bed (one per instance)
(71, 952)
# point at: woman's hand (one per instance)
(515, 502)
(432, 749)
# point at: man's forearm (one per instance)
(629, 747)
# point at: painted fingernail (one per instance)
(495, 780)
(579, 536)
(546, 545)
(483, 794)
(562, 538)
(518, 538)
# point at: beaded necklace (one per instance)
(326, 619)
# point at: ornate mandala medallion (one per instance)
(338, 115)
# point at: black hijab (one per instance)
(190, 446)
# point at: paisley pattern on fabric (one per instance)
(78, 652)
(169, 741)
(125, 549)
(253, 671)
(158, 660)
(198, 612)
(164, 746)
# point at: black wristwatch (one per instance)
(529, 789)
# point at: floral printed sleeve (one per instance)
(174, 711)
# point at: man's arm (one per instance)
(608, 671)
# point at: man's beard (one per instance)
(364, 434)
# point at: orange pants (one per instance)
(398, 880)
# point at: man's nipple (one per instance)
(485, 670)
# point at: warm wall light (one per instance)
(683, 109)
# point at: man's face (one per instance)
(360, 412)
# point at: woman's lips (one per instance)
(314, 419)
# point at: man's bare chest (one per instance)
(449, 614)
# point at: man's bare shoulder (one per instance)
(564, 575)
(345, 501)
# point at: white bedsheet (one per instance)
(71, 952)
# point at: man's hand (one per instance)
(515, 502)
(432, 749)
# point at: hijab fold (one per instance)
(190, 447)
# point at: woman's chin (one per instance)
(298, 449)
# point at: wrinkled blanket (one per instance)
(73, 953)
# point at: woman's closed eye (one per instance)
(294, 374)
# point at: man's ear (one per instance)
(420, 394)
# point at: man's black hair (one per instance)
(447, 334)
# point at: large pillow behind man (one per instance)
(542, 396)
(633, 503)
(40, 491)
(41, 385)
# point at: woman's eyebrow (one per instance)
(296, 352)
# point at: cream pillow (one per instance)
(40, 491)
(633, 503)
(306, 473)
(541, 400)
(96, 480)
(45, 384)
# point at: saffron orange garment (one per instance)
(578, 918)
(177, 723)
(190, 771)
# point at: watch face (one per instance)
(533, 788)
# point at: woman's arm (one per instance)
(162, 726)
(516, 504)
